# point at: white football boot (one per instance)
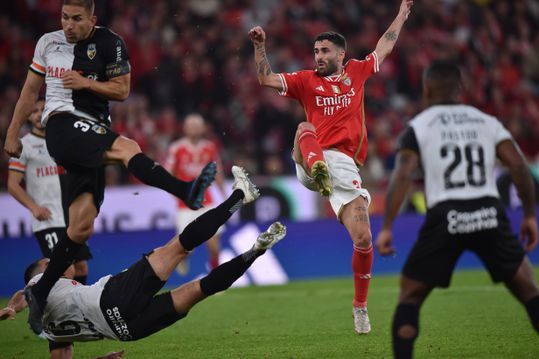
(272, 235)
(362, 325)
(244, 184)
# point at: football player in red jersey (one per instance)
(330, 145)
(186, 158)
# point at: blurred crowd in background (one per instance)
(195, 56)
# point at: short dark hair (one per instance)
(88, 5)
(444, 76)
(332, 36)
(30, 271)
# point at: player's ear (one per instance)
(93, 20)
(342, 53)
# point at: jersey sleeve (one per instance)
(19, 164)
(500, 133)
(365, 68)
(293, 83)
(38, 61)
(407, 140)
(116, 58)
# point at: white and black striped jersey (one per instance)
(41, 180)
(457, 146)
(100, 57)
(73, 313)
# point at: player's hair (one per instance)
(444, 76)
(30, 271)
(332, 36)
(88, 5)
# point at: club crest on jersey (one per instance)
(91, 51)
(346, 81)
(336, 89)
(100, 130)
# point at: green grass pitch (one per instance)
(313, 319)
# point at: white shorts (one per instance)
(344, 176)
(185, 216)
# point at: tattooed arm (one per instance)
(266, 77)
(389, 38)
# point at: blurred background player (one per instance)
(186, 158)
(41, 193)
(456, 146)
(330, 146)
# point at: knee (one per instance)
(305, 126)
(126, 148)
(80, 231)
(414, 295)
(362, 239)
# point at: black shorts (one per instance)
(79, 145)
(131, 307)
(48, 238)
(452, 227)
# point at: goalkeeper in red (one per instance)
(332, 143)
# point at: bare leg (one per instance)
(523, 285)
(164, 259)
(355, 217)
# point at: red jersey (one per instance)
(185, 161)
(334, 104)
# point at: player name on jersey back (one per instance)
(457, 144)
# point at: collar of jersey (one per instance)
(334, 78)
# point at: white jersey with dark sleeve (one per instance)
(457, 146)
(73, 314)
(100, 57)
(41, 177)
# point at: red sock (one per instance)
(214, 262)
(361, 266)
(310, 149)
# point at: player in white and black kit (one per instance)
(456, 147)
(125, 306)
(84, 67)
(42, 193)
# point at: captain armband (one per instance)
(117, 69)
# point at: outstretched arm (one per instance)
(401, 180)
(389, 38)
(266, 77)
(16, 304)
(511, 156)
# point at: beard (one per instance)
(330, 68)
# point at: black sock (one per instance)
(205, 226)
(153, 174)
(226, 274)
(81, 278)
(406, 314)
(532, 306)
(62, 257)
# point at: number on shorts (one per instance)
(52, 239)
(84, 127)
